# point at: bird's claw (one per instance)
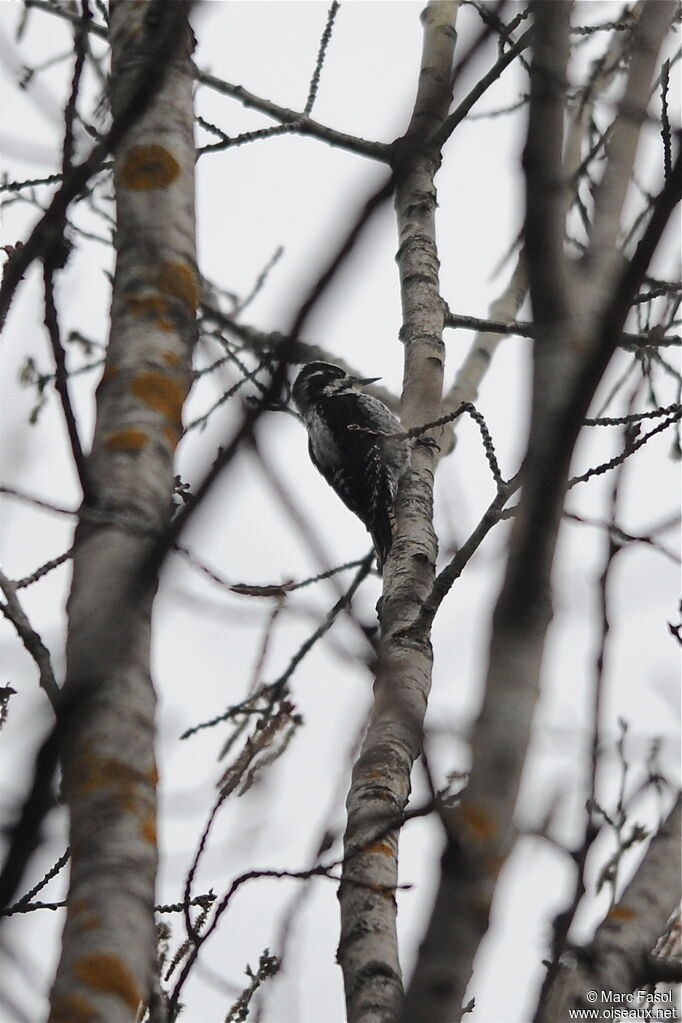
(429, 442)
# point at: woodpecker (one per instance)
(352, 442)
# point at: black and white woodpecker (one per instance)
(353, 440)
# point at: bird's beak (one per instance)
(365, 380)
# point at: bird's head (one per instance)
(323, 379)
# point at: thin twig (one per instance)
(666, 133)
(61, 380)
(322, 52)
(599, 470)
(42, 570)
(14, 613)
(521, 328)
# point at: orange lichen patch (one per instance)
(376, 774)
(387, 891)
(621, 913)
(72, 1009)
(160, 392)
(128, 439)
(477, 822)
(380, 847)
(97, 773)
(172, 435)
(153, 775)
(110, 975)
(147, 167)
(88, 922)
(178, 280)
(152, 307)
(148, 828)
(109, 372)
(171, 359)
(78, 906)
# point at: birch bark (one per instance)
(380, 785)
(109, 772)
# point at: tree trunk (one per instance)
(109, 772)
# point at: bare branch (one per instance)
(26, 903)
(61, 380)
(14, 613)
(304, 125)
(324, 43)
(546, 186)
(496, 325)
(482, 86)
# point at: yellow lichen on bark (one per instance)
(387, 891)
(148, 828)
(86, 918)
(109, 975)
(88, 922)
(72, 1009)
(172, 435)
(171, 359)
(380, 847)
(147, 167)
(174, 280)
(128, 439)
(160, 392)
(152, 307)
(179, 281)
(96, 773)
(623, 913)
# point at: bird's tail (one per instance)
(381, 520)
(382, 538)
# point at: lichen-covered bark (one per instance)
(380, 786)
(109, 772)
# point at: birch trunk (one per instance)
(109, 772)
(380, 786)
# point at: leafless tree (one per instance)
(601, 323)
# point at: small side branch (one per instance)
(61, 381)
(14, 613)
